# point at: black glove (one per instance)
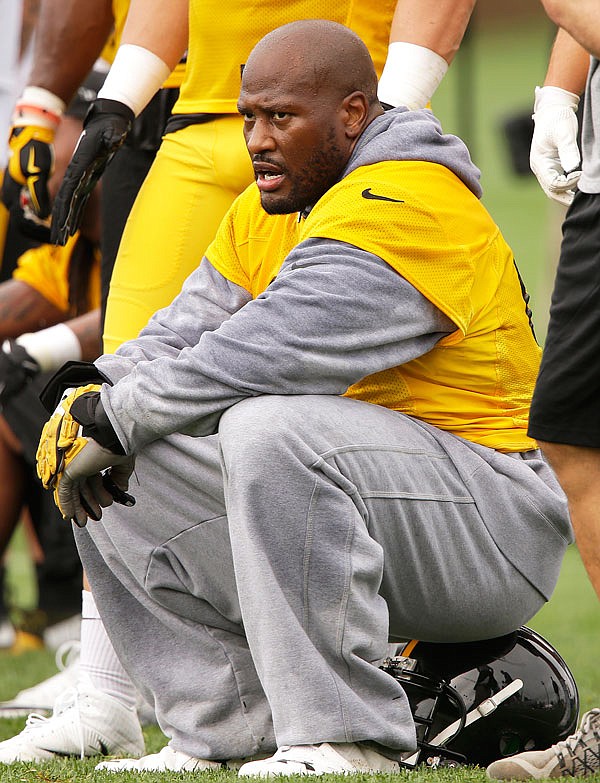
(105, 128)
(17, 368)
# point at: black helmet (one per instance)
(475, 702)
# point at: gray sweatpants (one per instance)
(252, 589)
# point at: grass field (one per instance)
(492, 78)
(571, 621)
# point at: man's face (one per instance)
(296, 141)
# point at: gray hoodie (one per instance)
(215, 345)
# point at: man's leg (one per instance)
(578, 470)
(565, 416)
(162, 577)
(335, 505)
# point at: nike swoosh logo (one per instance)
(31, 167)
(367, 194)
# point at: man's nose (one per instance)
(259, 138)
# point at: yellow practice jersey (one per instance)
(46, 269)
(120, 10)
(221, 35)
(476, 382)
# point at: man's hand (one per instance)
(30, 166)
(17, 368)
(31, 160)
(105, 128)
(85, 476)
(554, 157)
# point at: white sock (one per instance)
(98, 659)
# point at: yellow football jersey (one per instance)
(221, 35)
(422, 220)
(250, 245)
(46, 269)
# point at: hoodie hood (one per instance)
(403, 134)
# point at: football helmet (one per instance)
(475, 702)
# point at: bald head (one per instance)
(309, 89)
(315, 55)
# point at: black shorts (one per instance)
(566, 401)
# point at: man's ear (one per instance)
(355, 108)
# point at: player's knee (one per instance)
(257, 425)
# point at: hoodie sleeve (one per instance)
(333, 315)
(206, 300)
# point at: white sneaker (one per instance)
(170, 760)
(41, 697)
(85, 722)
(340, 758)
(167, 760)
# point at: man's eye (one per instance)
(280, 115)
(247, 115)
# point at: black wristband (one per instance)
(89, 412)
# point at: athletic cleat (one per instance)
(40, 698)
(577, 756)
(167, 760)
(85, 722)
(339, 758)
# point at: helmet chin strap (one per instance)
(481, 711)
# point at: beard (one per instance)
(321, 171)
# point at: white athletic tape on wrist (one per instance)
(51, 347)
(134, 77)
(38, 106)
(411, 75)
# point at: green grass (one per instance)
(492, 78)
(570, 621)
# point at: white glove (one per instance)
(82, 490)
(554, 157)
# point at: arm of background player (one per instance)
(69, 38)
(77, 339)
(24, 309)
(581, 18)
(554, 157)
(161, 27)
(424, 37)
(87, 330)
(438, 25)
(569, 63)
(154, 39)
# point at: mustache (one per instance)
(262, 158)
